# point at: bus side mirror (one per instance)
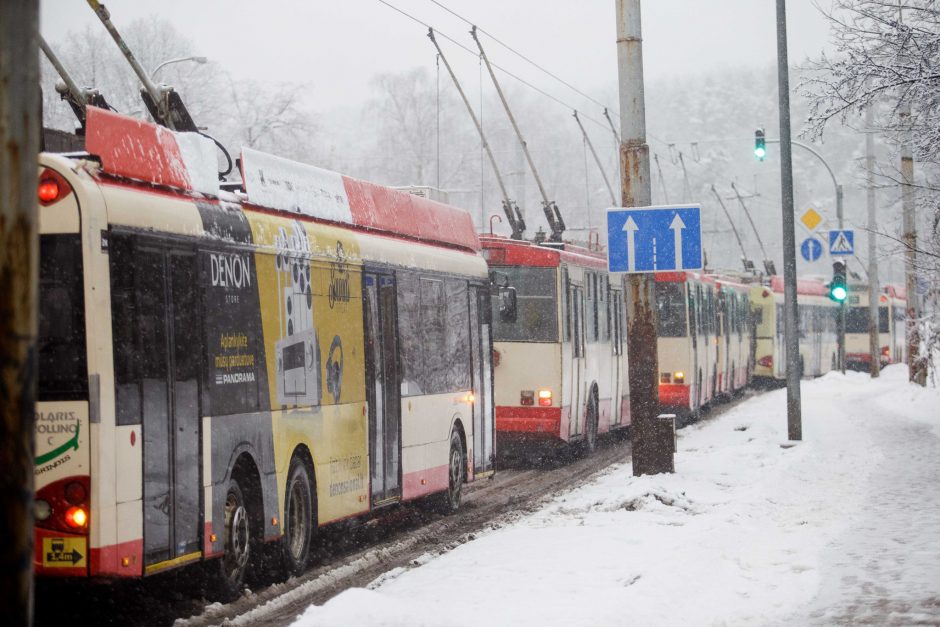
(507, 304)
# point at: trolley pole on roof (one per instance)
(513, 215)
(552, 214)
(652, 446)
(791, 323)
(20, 126)
(613, 199)
(734, 229)
(768, 262)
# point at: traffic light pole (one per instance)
(840, 322)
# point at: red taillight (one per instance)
(75, 493)
(884, 351)
(545, 398)
(767, 361)
(65, 505)
(52, 187)
(48, 191)
(76, 517)
(496, 358)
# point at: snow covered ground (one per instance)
(843, 527)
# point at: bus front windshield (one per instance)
(537, 308)
(671, 309)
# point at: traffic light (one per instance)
(760, 146)
(837, 288)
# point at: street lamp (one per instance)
(179, 60)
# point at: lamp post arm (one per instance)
(835, 183)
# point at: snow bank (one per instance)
(741, 533)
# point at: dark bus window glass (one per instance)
(671, 308)
(63, 373)
(856, 320)
(537, 305)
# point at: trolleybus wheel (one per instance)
(449, 501)
(299, 519)
(236, 541)
(590, 435)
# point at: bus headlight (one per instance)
(678, 377)
(545, 398)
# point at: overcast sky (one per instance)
(337, 46)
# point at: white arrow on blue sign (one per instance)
(654, 239)
(842, 242)
(811, 249)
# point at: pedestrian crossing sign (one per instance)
(842, 242)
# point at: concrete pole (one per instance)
(650, 441)
(19, 277)
(874, 290)
(791, 321)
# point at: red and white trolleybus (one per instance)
(560, 368)
(222, 369)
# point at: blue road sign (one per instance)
(842, 242)
(811, 249)
(654, 239)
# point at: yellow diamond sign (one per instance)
(811, 219)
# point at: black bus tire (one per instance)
(299, 518)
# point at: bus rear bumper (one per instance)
(540, 422)
(674, 396)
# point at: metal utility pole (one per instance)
(734, 229)
(874, 350)
(791, 321)
(613, 199)
(513, 216)
(552, 215)
(768, 262)
(653, 439)
(20, 127)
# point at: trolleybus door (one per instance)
(168, 328)
(383, 390)
(484, 427)
(694, 297)
(576, 298)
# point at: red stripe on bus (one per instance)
(674, 395)
(107, 560)
(528, 420)
(416, 484)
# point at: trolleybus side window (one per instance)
(671, 309)
(565, 305)
(62, 365)
(537, 320)
(433, 329)
(605, 308)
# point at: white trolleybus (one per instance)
(704, 340)
(818, 339)
(560, 367)
(892, 306)
(219, 370)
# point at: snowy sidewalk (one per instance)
(841, 528)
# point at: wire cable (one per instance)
(525, 58)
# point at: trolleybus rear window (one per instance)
(670, 305)
(62, 367)
(537, 317)
(856, 320)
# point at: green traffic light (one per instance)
(760, 152)
(839, 293)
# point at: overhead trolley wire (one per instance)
(524, 57)
(501, 69)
